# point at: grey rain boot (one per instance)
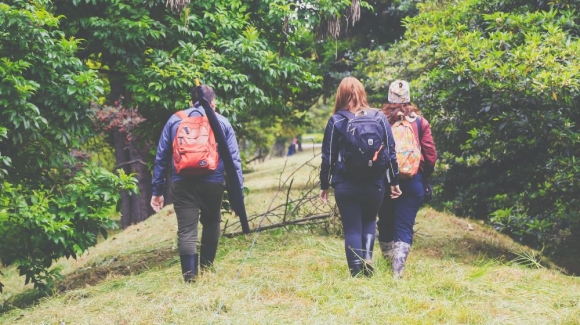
(367, 254)
(401, 252)
(189, 267)
(388, 249)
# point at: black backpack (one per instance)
(364, 147)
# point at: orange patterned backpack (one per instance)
(407, 147)
(194, 146)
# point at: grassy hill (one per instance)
(459, 272)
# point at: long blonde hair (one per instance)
(350, 95)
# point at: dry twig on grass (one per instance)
(297, 209)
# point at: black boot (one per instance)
(189, 267)
(368, 242)
(355, 267)
(207, 254)
(210, 238)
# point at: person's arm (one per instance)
(162, 161)
(393, 171)
(329, 154)
(427, 149)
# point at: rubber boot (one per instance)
(189, 267)
(210, 237)
(355, 267)
(401, 252)
(207, 254)
(367, 255)
(388, 249)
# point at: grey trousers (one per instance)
(194, 202)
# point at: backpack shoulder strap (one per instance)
(199, 111)
(181, 114)
(419, 128)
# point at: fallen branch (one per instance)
(282, 224)
(130, 163)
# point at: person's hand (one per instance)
(233, 212)
(324, 195)
(157, 203)
(395, 192)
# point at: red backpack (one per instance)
(194, 146)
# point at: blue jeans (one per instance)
(358, 203)
(397, 216)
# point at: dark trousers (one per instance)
(358, 204)
(397, 217)
(194, 202)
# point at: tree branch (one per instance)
(129, 163)
(282, 224)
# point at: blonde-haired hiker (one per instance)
(358, 153)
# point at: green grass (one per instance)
(312, 137)
(299, 276)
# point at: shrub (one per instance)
(44, 225)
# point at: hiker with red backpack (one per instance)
(416, 156)
(198, 183)
(358, 153)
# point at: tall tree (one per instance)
(47, 208)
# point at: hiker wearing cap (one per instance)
(416, 156)
(198, 180)
(358, 153)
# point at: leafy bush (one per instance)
(500, 82)
(44, 94)
(40, 227)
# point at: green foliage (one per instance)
(500, 81)
(45, 211)
(250, 52)
(44, 93)
(40, 227)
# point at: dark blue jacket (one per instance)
(164, 155)
(332, 170)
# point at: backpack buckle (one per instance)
(362, 112)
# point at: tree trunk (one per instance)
(141, 209)
(117, 93)
(279, 147)
(119, 139)
(134, 208)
